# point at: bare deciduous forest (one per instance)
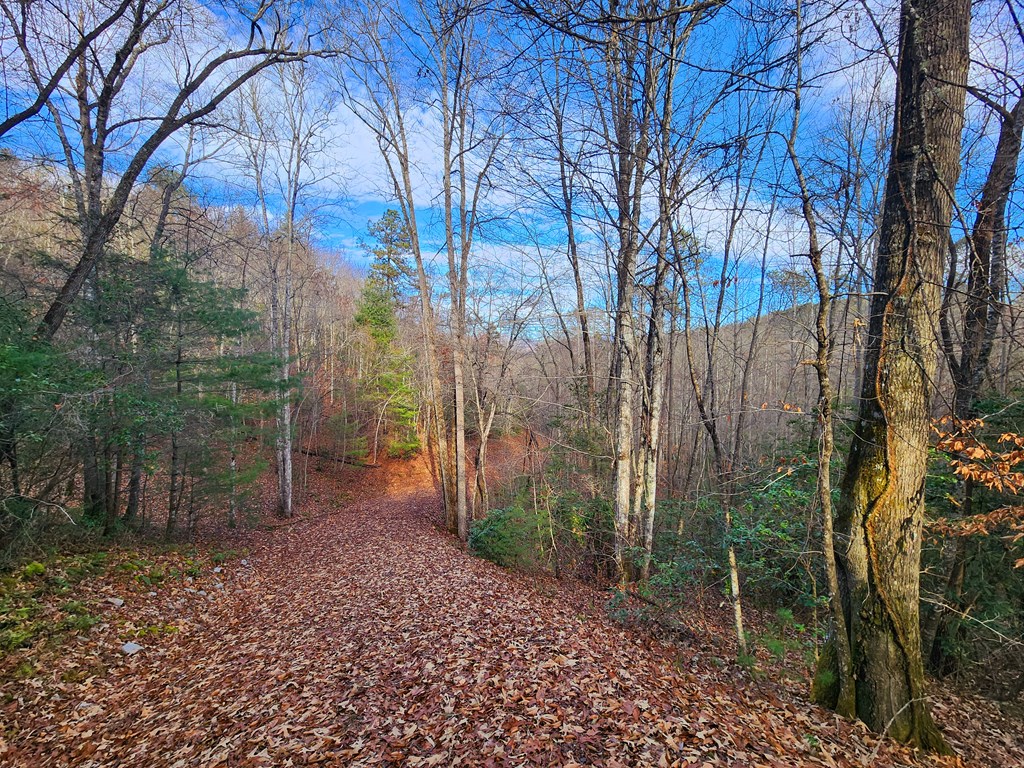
(701, 322)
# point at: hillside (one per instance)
(363, 635)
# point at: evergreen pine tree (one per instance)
(387, 389)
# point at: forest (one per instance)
(511, 382)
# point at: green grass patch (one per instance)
(222, 557)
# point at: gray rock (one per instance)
(244, 561)
(202, 592)
(117, 602)
(130, 649)
(218, 569)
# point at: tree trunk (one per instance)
(114, 478)
(986, 287)
(93, 501)
(174, 494)
(623, 385)
(987, 271)
(461, 488)
(653, 404)
(881, 513)
(481, 501)
(845, 703)
(95, 239)
(284, 418)
(135, 480)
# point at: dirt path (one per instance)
(367, 637)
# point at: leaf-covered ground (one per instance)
(364, 636)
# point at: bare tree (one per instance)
(29, 24)
(105, 105)
(281, 131)
(979, 305)
(499, 316)
(881, 515)
(441, 43)
(822, 361)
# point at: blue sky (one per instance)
(351, 188)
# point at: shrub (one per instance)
(510, 537)
(404, 447)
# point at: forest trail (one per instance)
(368, 637)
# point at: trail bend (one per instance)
(366, 636)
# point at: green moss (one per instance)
(825, 686)
(32, 570)
(81, 674)
(25, 671)
(20, 635)
(155, 630)
(80, 622)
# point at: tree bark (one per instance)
(881, 515)
(845, 703)
(986, 288)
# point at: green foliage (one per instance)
(82, 566)
(579, 518)
(404, 448)
(747, 661)
(377, 313)
(146, 571)
(154, 630)
(770, 535)
(80, 622)
(343, 430)
(158, 350)
(980, 639)
(784, 635)
(25, 670)
(387, 392)
(37, 382)
(511, 537)
(152, 577)
(390, 253)
(676, 574)
(618, 608)
(228, 554)
(577, 527)
(135, 565)
(19, 635)
(20, 607)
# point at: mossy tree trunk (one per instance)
(881, 512)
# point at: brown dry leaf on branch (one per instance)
(364, 636)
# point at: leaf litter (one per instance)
(364, 636)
